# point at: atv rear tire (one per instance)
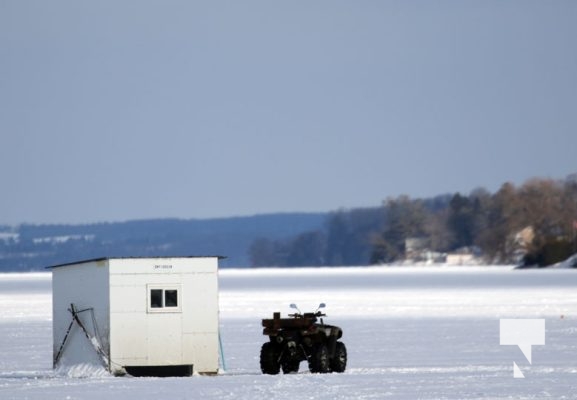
(339, 361)
(319, 359)
(269, 362)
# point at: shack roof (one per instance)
(127, 258)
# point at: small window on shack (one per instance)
(156, 298)
(164, 298)
(171, 298)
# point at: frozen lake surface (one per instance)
(411, 333)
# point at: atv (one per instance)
(298, 338)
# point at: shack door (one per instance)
(164, 325)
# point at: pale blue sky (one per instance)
(117, 110)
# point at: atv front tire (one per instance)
(319, 359)
(269, 362)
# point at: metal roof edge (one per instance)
(126, 258)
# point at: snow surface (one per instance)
(411, 333)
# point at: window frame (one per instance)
(164, 288)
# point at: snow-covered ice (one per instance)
(411, 333)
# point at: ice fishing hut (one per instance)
(142, 316)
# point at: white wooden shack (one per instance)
(142, 316)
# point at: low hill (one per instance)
(33, 247)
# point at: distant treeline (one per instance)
(533, 224)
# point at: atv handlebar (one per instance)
(309, 315)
